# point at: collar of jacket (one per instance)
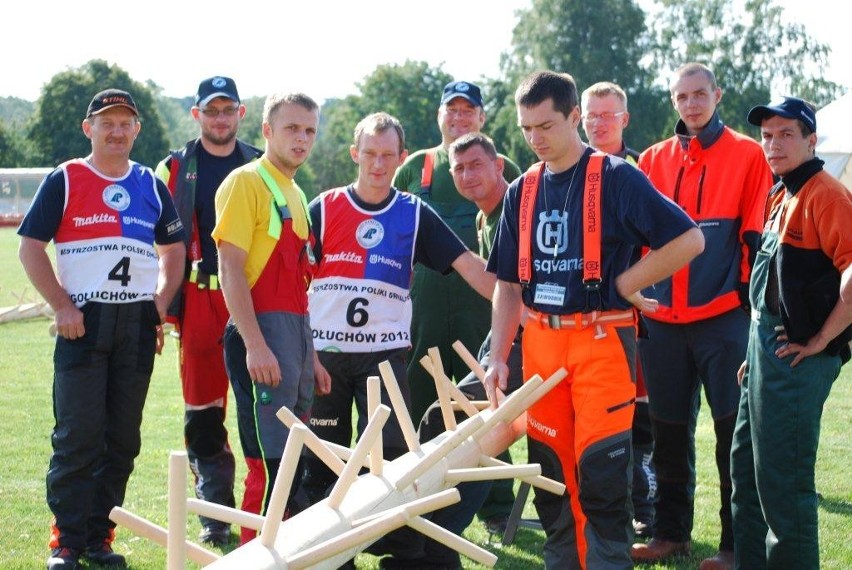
(796, 178)
(708, 135)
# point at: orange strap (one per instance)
(426, 174)
(591, 223)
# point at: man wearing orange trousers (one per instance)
(573, 272)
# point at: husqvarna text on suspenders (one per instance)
(591, 225)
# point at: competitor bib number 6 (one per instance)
(356, 315)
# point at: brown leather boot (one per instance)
(724, 560)
(658, 549)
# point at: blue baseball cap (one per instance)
(463, 89)
(787, 107)
(217, 86)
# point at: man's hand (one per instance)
(644, 304)
(497, 376)
(161, 340)
(263, 366)
(741, 373)
(815, 345)
(69, 322)
(322, 379)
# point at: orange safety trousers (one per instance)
(580, 433)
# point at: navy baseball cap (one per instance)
(787, 107)
(216, 86)
(462, 89)
(109, 98)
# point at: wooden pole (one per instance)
(283, 482)
(176, 549)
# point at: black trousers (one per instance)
(99, 389)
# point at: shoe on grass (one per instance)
(63, 558)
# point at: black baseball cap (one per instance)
(217, 86)
(109, 98)
(463, 89)
(787, 107)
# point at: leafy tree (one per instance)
(410, 91)
(593, 41)
(330, 158)
(55, 127)
(15, 111)
(751, 51)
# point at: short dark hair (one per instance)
(465, 142)
(540, 86)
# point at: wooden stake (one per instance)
(158, 535)
(283, 482)
(322, 449)
(374, 400)
(399, 407)
(350, 472)
(176, 544)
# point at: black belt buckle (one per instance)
(554, 321)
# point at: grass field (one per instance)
(26, 421)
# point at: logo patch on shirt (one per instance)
(369, 233)
(116, 197)
(552, 233)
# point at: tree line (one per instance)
(752, 51)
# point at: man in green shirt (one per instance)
(445, 308)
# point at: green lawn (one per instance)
(26, 421)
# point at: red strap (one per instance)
(592, 220)
(591, 225)
(426, 174)
(529, 190)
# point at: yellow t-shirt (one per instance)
(243, 204)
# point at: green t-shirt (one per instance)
(457, 211)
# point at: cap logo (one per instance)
(463, 87)
(218, 82)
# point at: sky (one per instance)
(322, 47)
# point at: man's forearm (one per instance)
(505, 318)
(237, 294)
(39, 270)
(171, 272)
(660, 263)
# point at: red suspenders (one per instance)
(591, 222)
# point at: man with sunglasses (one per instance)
(193, 174)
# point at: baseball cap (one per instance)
(216, 86)
(787, 107)
(462, 89)
(109, 98)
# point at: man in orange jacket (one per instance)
(698, 336)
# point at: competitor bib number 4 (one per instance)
(121, 272)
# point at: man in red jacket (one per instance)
(698, 335)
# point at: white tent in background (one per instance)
(834, 146)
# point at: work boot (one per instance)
(215, 535)
(658, 549)
(63, 558)
(724, 560)
(103, 555)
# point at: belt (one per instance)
(581, 320)
(203, 280)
